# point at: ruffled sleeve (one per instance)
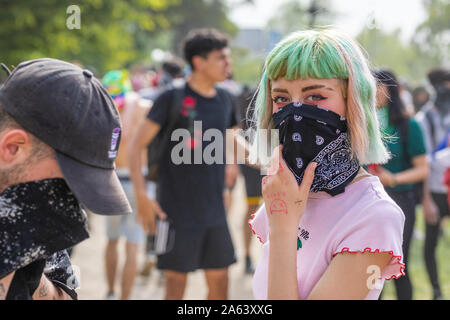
(377, 229)
(259, 224)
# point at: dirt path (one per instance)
(88, 258)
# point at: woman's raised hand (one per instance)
(284, 200)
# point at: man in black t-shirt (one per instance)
(190, 186)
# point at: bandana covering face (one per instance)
(311, 133)
(38, 220)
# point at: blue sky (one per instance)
(353, 14)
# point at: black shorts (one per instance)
(205, 248)
(253, 179)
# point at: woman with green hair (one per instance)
(329, 229)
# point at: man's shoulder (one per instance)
(166, 93)
(226, 97)
(224, 92)
(173, 90)
(164, 98)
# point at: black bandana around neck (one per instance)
(38, 219)
(311, 133)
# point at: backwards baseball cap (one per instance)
(69, 109)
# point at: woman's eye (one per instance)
(315, 97)
(280, 100)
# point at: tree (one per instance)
(432, 37)
(386, 50)
(106, 38)
(193, 14)
(247, 68)
(428, 48)
(297, 15)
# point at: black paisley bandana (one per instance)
(37, 220)
(311, 133)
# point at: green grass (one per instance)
(422, 289)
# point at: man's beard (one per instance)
(12, 176)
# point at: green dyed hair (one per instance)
(323, 54)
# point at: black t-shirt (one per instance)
(192, 194)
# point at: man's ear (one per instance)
(197, 63)
(15, 145)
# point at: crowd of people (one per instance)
(358, 154)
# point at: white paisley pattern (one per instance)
(297, 137)
(335, 165)
(299, 163)
(319, 140)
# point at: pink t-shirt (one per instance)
(363, 218)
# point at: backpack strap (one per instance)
(156, 148)
(175, 107)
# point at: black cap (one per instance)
(69, 109)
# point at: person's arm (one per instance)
(234, 125)
(48, 291)
(430, 209)
(143, 136)
(414, 148)
(285, 203)
(5, 282)
(282, 281)
(146, 207)
(45, 291)
(140, 111)
(418, 172)
(232, 169)
(347, 276)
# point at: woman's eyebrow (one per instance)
(316, 86)
(279, 90)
